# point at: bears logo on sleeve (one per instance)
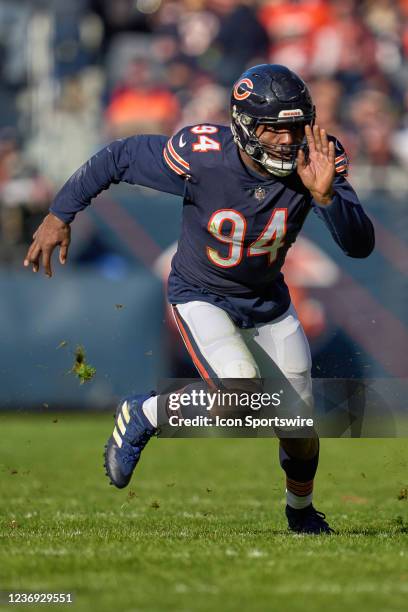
(341, 160)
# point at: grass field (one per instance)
(201, 527)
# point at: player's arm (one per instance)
(150, 161)
(333, 198)
(348, 223)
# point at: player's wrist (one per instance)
(57, 220)
(53, 217)
(323, 199)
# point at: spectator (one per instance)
(24, 196)
(140, 104)
(241, 39)
(170, 62)
(374, 122)
(292, 27)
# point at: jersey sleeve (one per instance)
(177, 153)
(146, 160)
(346, 220)
(341, 160)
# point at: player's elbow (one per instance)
(360, 250)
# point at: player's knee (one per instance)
(301, 382)
(297, 363)
(232, 360)
(239, 368)
(293, 352)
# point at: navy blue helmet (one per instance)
(270, 94)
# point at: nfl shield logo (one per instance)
(260, 193)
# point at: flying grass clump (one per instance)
(84, 371)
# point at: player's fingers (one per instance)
(300, 159)
(36, 264)
(317, 141)
(332, 153)
(324, 141)
(29, 253)
(33, 256)
(309, 137)
(63, 253)
(26, 258)
(46, 261)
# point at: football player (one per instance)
(247, 190)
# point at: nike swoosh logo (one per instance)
(182, 142)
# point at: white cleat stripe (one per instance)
(117, 437)
(125, 412)
(121, 425)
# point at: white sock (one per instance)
(149, 408)
(298, 502)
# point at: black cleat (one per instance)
(308, 520)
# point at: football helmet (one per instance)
(270, 94)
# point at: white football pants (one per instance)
(220, 349)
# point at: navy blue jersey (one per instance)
(237, 225)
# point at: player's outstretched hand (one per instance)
(51, 233)
(318, 170)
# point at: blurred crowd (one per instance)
(75, 75)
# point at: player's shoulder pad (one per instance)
(183, 150)
(341, 160)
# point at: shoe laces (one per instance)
(130, 456)
(132, 451)
(315, 517)
(143, 440)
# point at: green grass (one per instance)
(201, 527)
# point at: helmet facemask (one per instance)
(279, 160)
